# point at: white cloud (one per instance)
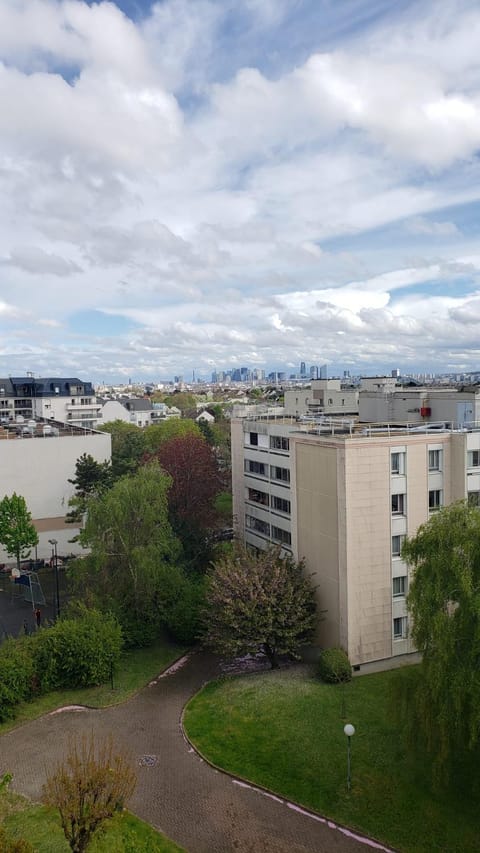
(421, 225)
(236, 214)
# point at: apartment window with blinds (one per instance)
(473, 458)
(397, 462)
(278, 442)
(280, 535)
(435, 499)
(434, 460)
(399, 504)
(281, 474)
(258, 497)
(399, 586)
(400, 628)
(280, 504)
(254, 467)
(397, 542)
(257, 525)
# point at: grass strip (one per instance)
(125, 833)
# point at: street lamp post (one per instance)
(349, 730)
(54, 542)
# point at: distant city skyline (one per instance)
(191, 185)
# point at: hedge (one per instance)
(75, 652)
(334, 667)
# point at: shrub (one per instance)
(334, 667)
(88, 787)
(16, 674)
(77, 652)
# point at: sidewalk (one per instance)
(200, 808)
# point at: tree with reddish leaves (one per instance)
(196, 481)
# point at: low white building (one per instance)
(136, 410)
(38, 466)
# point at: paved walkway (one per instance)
(203, 810)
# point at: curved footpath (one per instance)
(200, 808)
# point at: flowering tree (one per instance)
(260, 602)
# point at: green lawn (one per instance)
(41, 826)
(137, 667)
(223, 505)
(284, 730)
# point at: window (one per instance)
(280, 504)
(253, 467)
(399, 503)
(434, 460)
(435, 499)
(474, 498)
(397, 542)
(473, 458)
(399, 586)
(400, 627)
(278, 442)
(258, 497)
(258, 525)
(281, 535)
(397, 462)
(254, 438)
(277, 473)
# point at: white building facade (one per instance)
(38, 468)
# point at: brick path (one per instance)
(203, 810)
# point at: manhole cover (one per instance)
(148, 761)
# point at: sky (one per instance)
(199, 185)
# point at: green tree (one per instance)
(443, 704)
(132, 569)
(158, 434)
(207, 432)
(259, 602)
(128, 447)
(93, 782)
(182, 400)
(91, 479)
(17, 533)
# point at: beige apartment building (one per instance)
(343, 496)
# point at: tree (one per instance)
(207, 431)
(195, 482)
(17, 532)
(132, 569)
(443, 704)
(88, 787)
(182, 400)
(158, 434)
(128, 447)
(91, 478)
(259, 602)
